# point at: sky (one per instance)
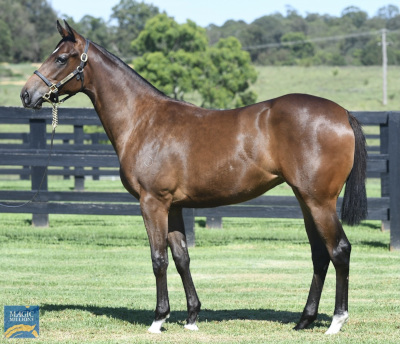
(217, 12)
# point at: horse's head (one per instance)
(61, 73)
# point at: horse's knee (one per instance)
(341, 254)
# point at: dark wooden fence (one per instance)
(78, 155)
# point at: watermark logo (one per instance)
(21, 321)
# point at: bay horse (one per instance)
(174, 155)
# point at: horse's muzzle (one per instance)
(30, 101)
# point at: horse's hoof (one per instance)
(304, 322)
(191, 327)
(337, 322)
(156, 325)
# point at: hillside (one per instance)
(355, 88)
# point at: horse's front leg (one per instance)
(178, 245)
(155, 216)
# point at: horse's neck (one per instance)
(122, 99)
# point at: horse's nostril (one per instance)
(26, 97)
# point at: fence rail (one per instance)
(80, 155)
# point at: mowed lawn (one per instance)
(355, 88)
(92, 278)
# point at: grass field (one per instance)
(92, 278)
(355, 88)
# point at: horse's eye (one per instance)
(62, 59)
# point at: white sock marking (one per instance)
(156, 325)
(337, 322)
(191, 327)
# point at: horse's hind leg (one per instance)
(326, 228)
(178, 245)
(321, 260)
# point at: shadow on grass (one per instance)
(375, 244)
(145, 317)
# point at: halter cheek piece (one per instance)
(54, 88)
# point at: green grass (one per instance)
(92, 278)
(355, 88)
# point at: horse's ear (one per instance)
(64, 33)
(70, 30)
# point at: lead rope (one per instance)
(54, 124)
(54, 113)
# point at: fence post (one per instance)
(188, 220)
(394, 178)
(384, 149)
(79, 175)
(38, 141)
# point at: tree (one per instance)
(177, 60)
(298, 46)
(131, 17)
(164, 34)
(355, 15)
(22, 32)
(31, 27)
(96, 30)
(388, 12)
(371, 54)
(169, 54)
(227, 75)
(295, 22)
(42, 16)
(238, 29)
(5, 42)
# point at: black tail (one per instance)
(354, 206)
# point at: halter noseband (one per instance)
(54, 88)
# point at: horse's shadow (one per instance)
(145, 317)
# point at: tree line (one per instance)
(27, 33)
(316, 39)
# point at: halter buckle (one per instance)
(53, 89)
(84, 57)
(46, 96)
